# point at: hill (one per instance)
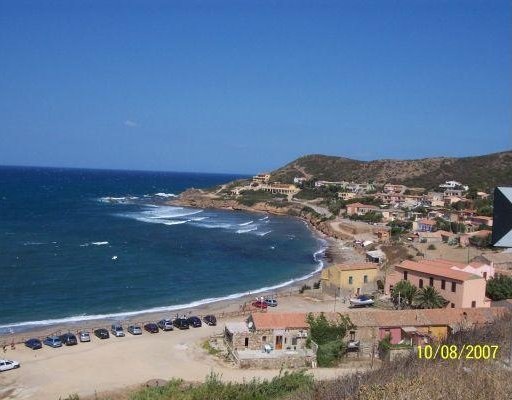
(481, 172)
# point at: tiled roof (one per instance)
(271, 320)
(443, 316)
(502, 257)
(437, 268)
(354, 267)
(426, 222)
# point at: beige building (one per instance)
(350, 279)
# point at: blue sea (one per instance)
(85, 244)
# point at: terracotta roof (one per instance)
(355, 205)
(271, 320)
(354, 267)
(431, 267)
(446, 233)
(502, 257)
(441, 316)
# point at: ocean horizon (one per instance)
(84, 244)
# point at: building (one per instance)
(460, 288)
(425, 225)
(279, 188)
(453, 185)
(270, 340)
(375, 256)
(414, 326)
(350, 279)
(391, 188)
(465, 240)
(360, 209)
(392, 214)
(299, 181)
(261, 178)
(346, 195)
(341, 184)
(499, 261)
(481, 220)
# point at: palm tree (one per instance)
(428, 297)
(404, 293)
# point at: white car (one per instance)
(6, 365)
(84, 336)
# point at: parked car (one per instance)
(194, 321)
(165, 325)
(259, 304)
(151, 328)
(117, 330)
(52, 341)
(181, 323)
(134, 330)
(68, 339)
(34, 344)
(361, 301)
(84, 336)
(6, 365)
(210, 320)
(101, 333)
(271, 302)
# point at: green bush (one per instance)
(328, 353)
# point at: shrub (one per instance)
(431, 247)
(316, 285)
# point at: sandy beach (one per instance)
(116, 364)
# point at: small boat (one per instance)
(114, 258)
(362, 301)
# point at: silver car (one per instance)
(84, 336)
(117, 330)
(135, 330)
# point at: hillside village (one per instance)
(421, 251)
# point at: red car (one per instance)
(260, 304)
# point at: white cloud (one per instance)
(130, 124)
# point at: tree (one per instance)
(406, 292)
(499, 287)
(428, 297)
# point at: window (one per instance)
(352, 336)
(443, 284)
(405, 275)
(365, 279)
(454, 287)
(473, 304)
(431, 281)
(246, 342)
(264, 339)
(485, 275)
(452, 305)
(420, 283)
(350, 280)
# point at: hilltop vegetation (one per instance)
(482, 172)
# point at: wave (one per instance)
(246, 223)
(246, 230)
(33, 243)
(99, 243)
(264, 218)
(263, 233)
(166, 195)
(317, 256)
(199, 218)
(176, 222)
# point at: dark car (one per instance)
(210, 320)
(151, 328)
(68, 339)
(194, 321)
(34, 344)
(165, 325)
(181, 323)
(101, 333)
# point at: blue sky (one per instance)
(244, 86)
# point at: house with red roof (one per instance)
(460, 285)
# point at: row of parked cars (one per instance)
(117, 330)
(264, 303)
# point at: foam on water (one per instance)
(246, 223)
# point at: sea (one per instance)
(80, 244)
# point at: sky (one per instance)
(247, 86)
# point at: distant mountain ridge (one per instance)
(481, 172)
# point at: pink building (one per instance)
(462, 289)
